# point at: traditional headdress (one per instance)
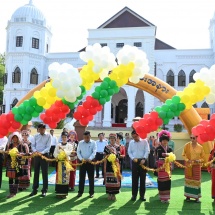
(164, 135)
(74, 133)
(16, 134)
(112, 135)
(25, 132)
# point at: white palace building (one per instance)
(28, 57)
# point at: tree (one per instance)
(2, 71)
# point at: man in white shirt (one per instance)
(138, 151)
(100, 144)
(30, 137)
(53, 145)
(3, 143)
(86, 151)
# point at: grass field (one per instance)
(22, 204)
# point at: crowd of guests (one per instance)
(131, 152)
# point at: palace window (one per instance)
(19, 41)
(181, 78)
(170, 78)
(16, 76)
(119, 45)
(5, 78)
(35, 43)
(191, 80)
(138, 44)
(103, 44)
(34, 76)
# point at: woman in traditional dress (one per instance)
(62, 175)
(164, 180)
(13, 172)
(119, 141)
(211, 169)
(193, 155)
(73, 140)
(111, 182)
(23, 148)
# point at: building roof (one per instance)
(29, 13)
(126, 18)
(160, 45)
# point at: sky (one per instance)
(182, 24)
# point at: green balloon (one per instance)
(165, 107)
(98, 89)
(24, 122)
(108, 98)
(181, 106)
(26, 103)
(33, 101)
(158, 109)
(80, 97)
(162, 114)
(110, 92)
(112, 84)
(170, 114)
(18, 117)
(177, 113)
(71, 106)
(64, 101)
(27, 117)
(116, 89)
(21, 109)
(96, 95)
(166, 121)
(38, 109)
(103, 93)
(107, 79)
(83, 90)
(29, 109)
(168, 102)
(176, 99)
(35, 114)
(104, 85)
(102, 101)
(173, 107)
(15, 110)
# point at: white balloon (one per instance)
(60, 94)
(103, 74)
(96, 69)
(196, 76)
(83, 57)
(53, 74)
(70, 99)
(106, 49)
(136, 71)
(77, 91)
(210, 99)
(125, 60)
(56, 84)
(70, 94)
(134, 79)
(89, 48)
(66, 86)
(54, 66)
(75, 82)
(62, 76)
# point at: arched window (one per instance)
(181, 78)
(16, 77)
(191, 80)
(15, 101)
(34, 76)
(121, 111)
(205, 105)
(139, 110)
(170, 78)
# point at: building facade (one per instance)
(28, 57)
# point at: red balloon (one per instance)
(143, 135)
(42, 116)
(213, 116)
(49, 113)
(159, 122)
(142, 122)
(55, 110)
(52, 125)
(135, 125)
(85, 113)
(204, 122)
(47, 120)
(199, 140)
(89, 99)
(154, 114)
(7, 125)
(200, 129)
(16, 125)
(93, 111)
(80, 109)
(204, 137)
(94, 103)
(99, 108)
(212, 122)
(150, 121)
(11, 129)
(55, 118)
(194, 131)
(211, 136)
(87, 104)
(84, 121)
(65, 109)
(58, 103)
(3, 131)
(62, 115)
(10, 117)
(154, 127)
(77, 115)
(209, 129)
(140, 129)
(90, 117)
(146, 116)
(3, 118)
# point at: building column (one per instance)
(98, 119)
(107, 114)
(176, 81)
(131, 95)
(149, 102)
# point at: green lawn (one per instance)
(22, 204)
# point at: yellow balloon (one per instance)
(188, 91)
(206, 90)
(185, 99)
(37, 94)
(48, 84)
(41, 101)
(197, 89)
(52, 92)
(50, 100)
(46, 106)
(189, 106)
(193, 98)
(43, 92)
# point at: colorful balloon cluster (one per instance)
(172, 107)
(205, 131)
(193, 93)
(87, 110)
(27, 110)
(46, 96)
(150, 122)
(54, 114)
(66, 81)
(8, 124)
(208, 77)
(106, 89)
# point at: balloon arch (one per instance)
(53, 99)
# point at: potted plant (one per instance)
(178, 127)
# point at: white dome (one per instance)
(29, 13)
